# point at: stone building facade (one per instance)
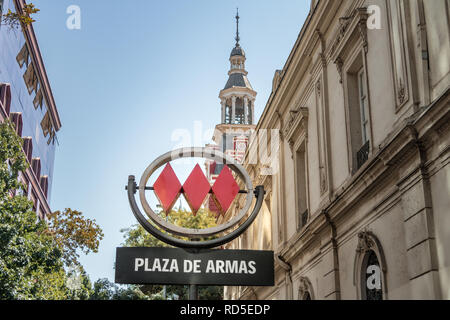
(358, 191)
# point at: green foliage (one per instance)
(32, 256)
(105, 290)
(72, 232)
(136, 236)
(203, 219)
(79, 284)
(12, 160)
(24, 19)
(30, 260)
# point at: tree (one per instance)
(30, 261)
(38, 261)
(79, 284)
(17, 19)
(136, 236)
(105, 290)
(73, 232)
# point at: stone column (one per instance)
(245, 110)
(233, 110)
(224, 109)
(253, 111)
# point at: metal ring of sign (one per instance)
(195, 153)
(196, 245)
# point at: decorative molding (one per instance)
(342, 29)
(319, 88)
(401, 92)
(296, 126)
(305, 287)
(398, 52)
(350, 27)
(365, 242)
(339, 66)
(362, 27)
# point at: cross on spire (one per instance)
(237, 27)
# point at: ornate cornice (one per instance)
(296, 126)
(349, 27)
(365, 242)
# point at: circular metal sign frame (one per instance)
(194, 234)
(195, 153)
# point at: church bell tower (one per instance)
(237, 97)
(237, 100)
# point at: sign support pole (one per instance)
(193, 292)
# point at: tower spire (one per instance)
(237, 27)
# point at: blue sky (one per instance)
(136, 72)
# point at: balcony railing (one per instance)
(363, 154)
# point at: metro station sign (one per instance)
(207, 267)
(194, 261)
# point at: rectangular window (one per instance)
(358, 114)
(302, 203)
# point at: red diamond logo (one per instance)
(225, 190)
(195, 189)
(167, 188)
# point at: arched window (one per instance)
(370, 268)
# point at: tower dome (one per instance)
(237, 97)
(237, 51)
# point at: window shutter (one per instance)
(16, 119)
(28, 147)
(36, 166)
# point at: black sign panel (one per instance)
(205, 267)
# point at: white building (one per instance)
(358, 206)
